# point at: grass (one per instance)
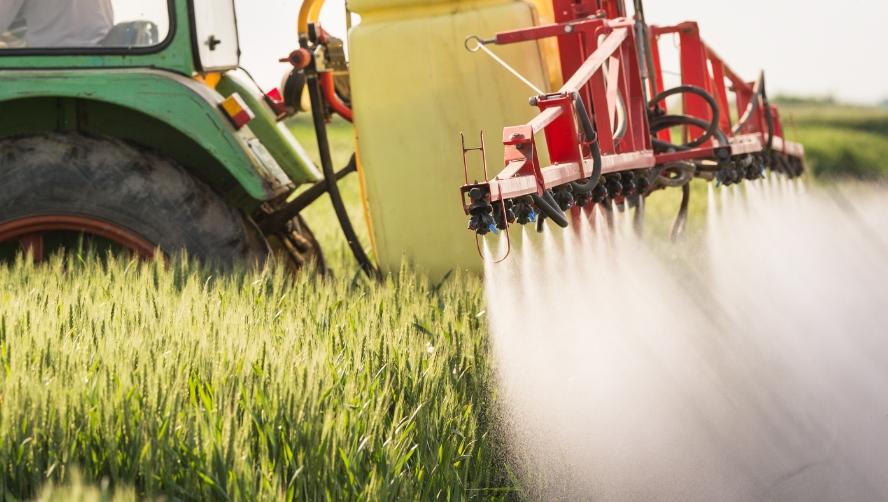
(75, 489)
(841, 141)
(253, 386)
(166, 381)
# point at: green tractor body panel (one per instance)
(149, 97)
(275, 135)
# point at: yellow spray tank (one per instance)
(414, 87)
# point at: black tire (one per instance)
(108, 180)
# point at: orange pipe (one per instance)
(308, 13)
(337, 104)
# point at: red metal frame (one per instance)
(599, 56)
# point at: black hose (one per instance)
(547, 206)
(769, 118)
(682, 218)
(638, 219)
(668, 121)
(560, 218)
(658, 122)
(585, 120)
(586, 187)
(541, 223)
(317, 107)
(646, 51)
(686, 171)
(591, 182)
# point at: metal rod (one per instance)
(275, 221)
(480, 45)
(545, 118)
(594, 62)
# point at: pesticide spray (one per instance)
(749, 362)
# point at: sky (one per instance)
(807, 47)
(268, 32)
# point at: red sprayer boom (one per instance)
(611, 136)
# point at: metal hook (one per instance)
(479, 42)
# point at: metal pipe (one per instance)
(594, 62)
(759, 92)
(541, 121)
(585, 72)
(681, 219)
(549, 207)
(329, 87)
(645, 54)
(275, 221)
(308, 13)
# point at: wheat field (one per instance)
(166, 380)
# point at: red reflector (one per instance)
(275, 100)
(275, 95)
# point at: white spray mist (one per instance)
(751, 365)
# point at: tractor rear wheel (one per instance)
(59, 187)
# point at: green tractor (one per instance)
(131, 125)
(143, 134)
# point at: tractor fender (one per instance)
(185, 105)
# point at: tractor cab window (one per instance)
(72, 24)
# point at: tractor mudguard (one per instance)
(188, 106)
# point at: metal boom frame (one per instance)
(611, 66)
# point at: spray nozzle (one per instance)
(614, 185)
(630, 187)
(524, 212)
(599, 193)
(565, 198)
(480, 211)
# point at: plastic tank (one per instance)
(415, 87)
